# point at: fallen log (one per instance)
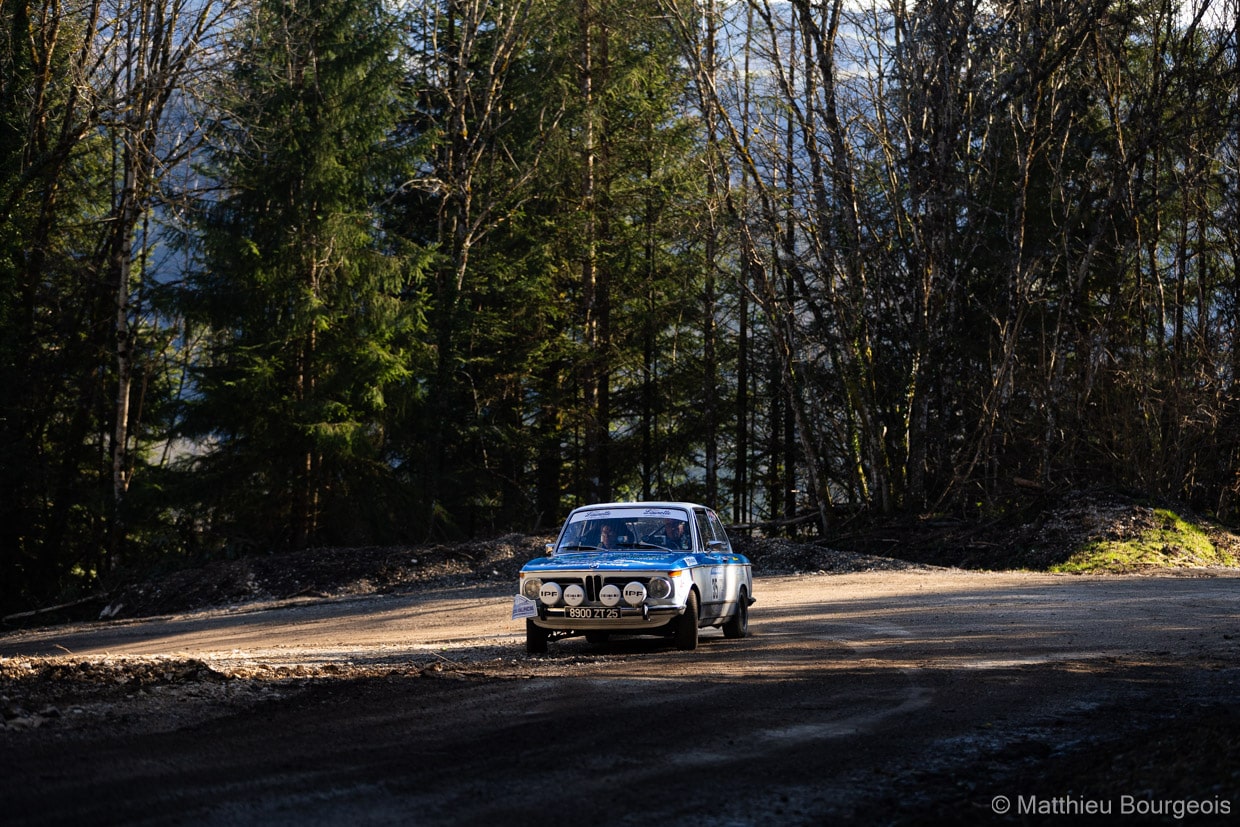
(58, 607)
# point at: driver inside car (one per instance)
(607, 536)
(674, 534)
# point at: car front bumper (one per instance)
(642, 618)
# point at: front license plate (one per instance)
(591, 613)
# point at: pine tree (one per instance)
(311, 309)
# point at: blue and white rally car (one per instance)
(658, 568)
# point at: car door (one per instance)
(737, 574)
(713, 580)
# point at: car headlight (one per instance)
(609, 595)
(550, 593)
(530, 587)
(634, 594)
(660, 588)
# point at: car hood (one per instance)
(628, 559)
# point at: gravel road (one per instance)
(926, 696)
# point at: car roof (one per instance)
(643, 504)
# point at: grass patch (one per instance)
(1169, 541)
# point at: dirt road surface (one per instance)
(893, 697)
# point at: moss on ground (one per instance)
(1170, 542)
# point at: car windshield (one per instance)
(628, 528)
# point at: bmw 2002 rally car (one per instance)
(658, 568)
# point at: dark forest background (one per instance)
(288, 273)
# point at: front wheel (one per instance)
(535, 638)
(687, 625)
(737, 626)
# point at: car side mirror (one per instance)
(550, 549)
(717, 545)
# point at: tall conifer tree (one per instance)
(308, 303)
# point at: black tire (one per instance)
(737, 626)
(535, 638)
(687, 625)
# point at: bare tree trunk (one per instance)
(468, 49)
(590, 384)
(163, 46)
(710, 390)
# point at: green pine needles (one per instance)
(310, 308)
